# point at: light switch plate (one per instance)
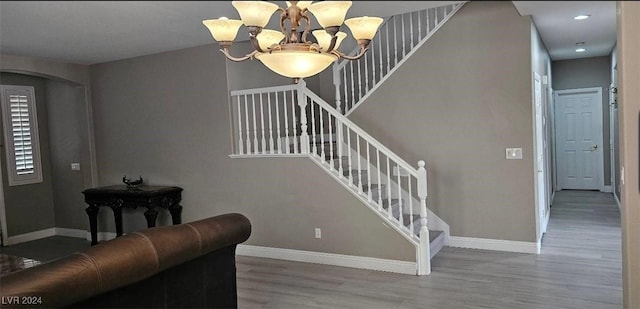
(75, 166)
(514, 153)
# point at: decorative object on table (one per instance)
(132, 184)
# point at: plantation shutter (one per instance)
(21, 134)
(21, 130)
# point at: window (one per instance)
(20, 124)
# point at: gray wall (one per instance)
(457, 103)
(30, 208)
(586, 73)
(166, 117)
(541, 64)
(69, 72)
(628, 81)
(69, 143)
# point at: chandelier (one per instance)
(289, 53)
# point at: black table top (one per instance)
(141, 190)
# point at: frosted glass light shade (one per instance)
(301, 4)
(330, 13)
(324, 39)
(223, 29)
(296, 64)
(268, 37)
(363, 28)
(255, 13)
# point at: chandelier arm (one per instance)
(363, 50)
(332, 45)
(306, 28)
(248, 56)
(255, 43)
(284, 16)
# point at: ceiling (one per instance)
(560, 32)
(100, 31)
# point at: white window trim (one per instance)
(13, 178)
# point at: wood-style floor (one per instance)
(579, 267)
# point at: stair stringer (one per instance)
(412, 238)
(434, 222)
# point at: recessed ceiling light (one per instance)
(579, 50)
(580, 17)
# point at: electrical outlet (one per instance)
(75, 166)
(318, 233)
(514, 153)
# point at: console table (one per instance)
(119, 196)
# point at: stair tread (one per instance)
(434, 234)
(385, 202)
(374, 186)
(319, 142)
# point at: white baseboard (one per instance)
(394, 266)
(102, 236)
(545, 224)
(607, 189)
(495, 244)
(57, 231)
(12, 240)
(75, 233)
(84, 234)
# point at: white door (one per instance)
(540, 150)
(579, 139)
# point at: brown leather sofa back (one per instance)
(186, 265)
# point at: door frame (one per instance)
(600, 139)
(540, 183)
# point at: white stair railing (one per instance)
(397, 39)
(292, 120)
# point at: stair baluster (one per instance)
(387, 198)
(278, 124)
(264, 141)
(398, 35)
(271, 144)
(255, 126)
(246, 118)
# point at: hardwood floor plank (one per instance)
(579, 267)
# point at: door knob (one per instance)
(594, 147)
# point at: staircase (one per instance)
(397, 39)
(277, 121)
(361, 179)
(293, 121)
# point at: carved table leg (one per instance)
(92, 211)
(116, 206)
(151, 215)
(176, 212)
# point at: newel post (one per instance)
(424, 255)
(302, 103)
